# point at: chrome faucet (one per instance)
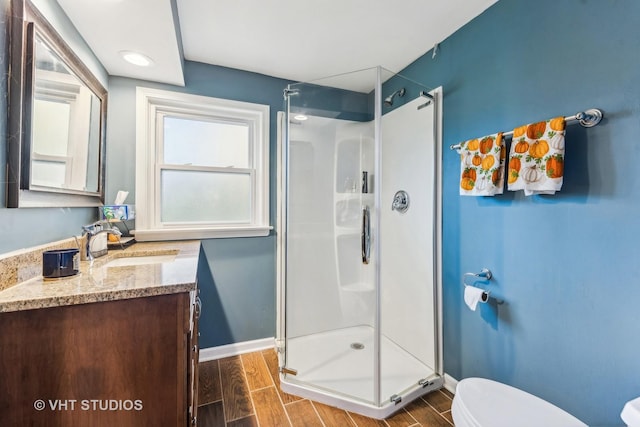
(89, 232)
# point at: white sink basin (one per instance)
(140, 260)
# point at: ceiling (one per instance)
(280, 38)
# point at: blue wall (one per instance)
(565, 264)
(23, 228)
(236, 276)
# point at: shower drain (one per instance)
(357, 346)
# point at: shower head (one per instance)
(388, 101)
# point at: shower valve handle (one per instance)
(400, 201)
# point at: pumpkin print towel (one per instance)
(536, 158)
(482, 166)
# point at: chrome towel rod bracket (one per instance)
(588, 119)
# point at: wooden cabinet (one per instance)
(117, 363)
(194, 351)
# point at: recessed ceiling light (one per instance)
(136, 58)
(300, 117)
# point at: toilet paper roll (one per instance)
(473, 295)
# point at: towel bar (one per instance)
(587, 119)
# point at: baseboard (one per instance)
(450, 383)
(213, 353)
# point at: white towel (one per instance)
(536, 157)
(482, 166)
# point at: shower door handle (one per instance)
(366, 235)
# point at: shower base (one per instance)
(337, 368)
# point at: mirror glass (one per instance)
(65, 126)
(57, 114)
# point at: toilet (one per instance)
(480, 402)
(631, 413)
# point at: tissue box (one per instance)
(117, 212)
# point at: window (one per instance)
(202, 167)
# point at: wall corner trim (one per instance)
(235, 349)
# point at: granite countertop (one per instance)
(98, 281)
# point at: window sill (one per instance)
(198, 233)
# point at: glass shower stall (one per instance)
(359, 319)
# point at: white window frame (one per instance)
(152, 105)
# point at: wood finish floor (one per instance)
(245, 390)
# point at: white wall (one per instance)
(407, 239)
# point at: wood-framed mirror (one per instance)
(57, 119)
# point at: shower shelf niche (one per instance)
(353, 156)
(348, 211)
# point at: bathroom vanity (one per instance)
(115, 345)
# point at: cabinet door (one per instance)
(118, 363)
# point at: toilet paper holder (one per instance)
(485, 274)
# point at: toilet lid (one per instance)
(631, 413)
(490, 403)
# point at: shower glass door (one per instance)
(354, 326)
(330, 260)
